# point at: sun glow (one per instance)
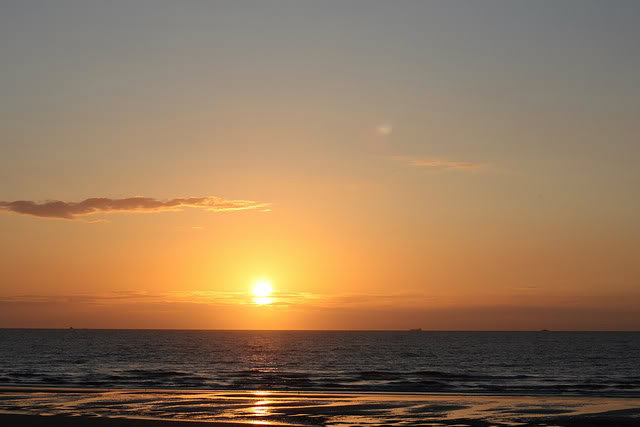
(262, 291)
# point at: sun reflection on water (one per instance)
(260, 411)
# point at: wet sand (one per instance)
(84, 421)
(54, 407)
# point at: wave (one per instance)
(563, 364)
(382, 381)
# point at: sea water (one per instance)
(520, 363)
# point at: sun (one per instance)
(262, 291)
(262, 288)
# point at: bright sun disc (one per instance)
(262, 289)
(261, 292)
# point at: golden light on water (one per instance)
(262, 291)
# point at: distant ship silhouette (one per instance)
(415, 330)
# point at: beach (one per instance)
(81, 421)
(41, 406)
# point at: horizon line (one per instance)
(321, 330)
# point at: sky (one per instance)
(382, 164)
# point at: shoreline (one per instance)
(51, 406)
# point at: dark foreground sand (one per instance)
(53, 407)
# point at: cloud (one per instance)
(219, 298)
(228, 310)
(212, 298)
(439, 163)
(138, 204)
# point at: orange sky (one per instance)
(381, 171)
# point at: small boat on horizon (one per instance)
(415, 330)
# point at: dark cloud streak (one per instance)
(95, 205)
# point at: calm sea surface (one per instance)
(551, 363)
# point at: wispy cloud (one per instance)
(138, 204)
(221, 298)
(232, 310)
(308, 301)
(210, 298)
(439, 163)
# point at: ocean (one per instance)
(485, 363)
